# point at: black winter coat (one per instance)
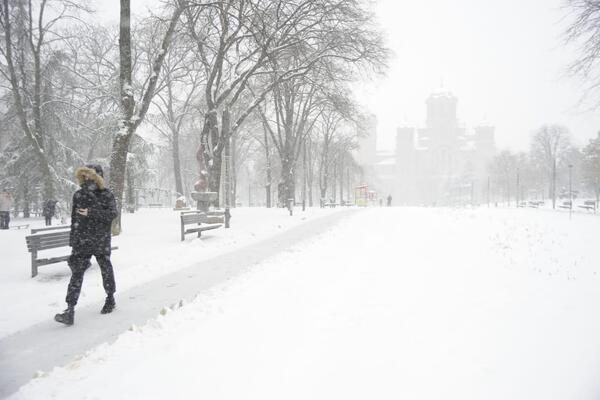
(91, 234)
(49, 208)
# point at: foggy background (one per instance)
(505, 61)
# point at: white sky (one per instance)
(504, 60)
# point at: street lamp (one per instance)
(570, 191)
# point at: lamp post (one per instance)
(570, 191)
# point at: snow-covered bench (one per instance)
(535, 204)
(46, 241)
(22, 226)
(589, 205)
(566, 204)
(212, 220)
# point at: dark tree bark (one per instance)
(130, 118)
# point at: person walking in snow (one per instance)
(389, 200)
(93, 210)
(48, 210)
(5, 205)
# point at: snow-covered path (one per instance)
(47, 344)
(391, 303)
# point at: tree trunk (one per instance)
(341, 179)
(334, 183)
(118, 164)
(287, 183)
(118, 157)
(26, 200)
(269, 177)
(177, 164)
(310, 180)
(554, 184)
(233, 177)
(130, 191)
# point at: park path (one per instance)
(48, 344)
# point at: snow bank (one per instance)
(393, 303)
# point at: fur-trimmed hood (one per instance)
(82, 172)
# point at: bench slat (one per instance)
(190, 219)
(52, 260)
(187, 219)
(215, 219)
(52, 228)
(48, 247)
(202, 228)
(46, 261)
(46, 241)
(42, 240)
(50, 235)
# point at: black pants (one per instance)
(4, 219)
(79, 263)
(48, 220)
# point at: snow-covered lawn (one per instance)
(149, 247)
(393, 303)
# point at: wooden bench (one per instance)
(212, 219)
(589, 205)
(48, 240)
(22, 226)
(155, 205)
(331, 205)
(566, 204)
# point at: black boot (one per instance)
(67, 317)
(109, 305)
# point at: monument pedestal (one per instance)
(204, 199)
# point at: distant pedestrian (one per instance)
(49, 210)
(389, 200)
(93, 210)
(5, 206)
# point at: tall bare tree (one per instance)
(243, 41)
(549, 146)
(133, 111)
(30, 31)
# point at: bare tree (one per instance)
(30, 30)
(591, 166)
(549, 146)
(584, 32)
(335, 133)
(132, 111)
(240, 41)
(503, 169)
(176, 104)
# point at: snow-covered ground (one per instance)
(392, 303)
(149, 248)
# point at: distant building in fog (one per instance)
(438, 164)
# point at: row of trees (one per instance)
(553, 160)
(545, 171)
(201, 79)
